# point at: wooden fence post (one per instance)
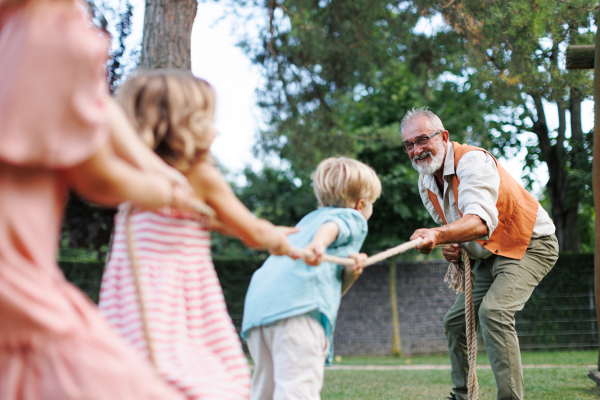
(596, 178)
(396, 342)
(580, 57)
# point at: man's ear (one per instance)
(445, 136)
(360, 204)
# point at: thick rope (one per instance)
(394, 251)
(138, 286)
(377, 257)
(459, 279)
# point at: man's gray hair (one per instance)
(417, 113)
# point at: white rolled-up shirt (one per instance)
(477, 195)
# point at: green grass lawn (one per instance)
(540, 384)
(569, 381)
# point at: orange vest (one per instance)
(517, 210)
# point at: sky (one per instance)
(217, 58)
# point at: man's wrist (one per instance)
(437, 235)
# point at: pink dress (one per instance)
(54, 343)
(194, 342)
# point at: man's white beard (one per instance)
(435, 163)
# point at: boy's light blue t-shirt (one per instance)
(284, 288)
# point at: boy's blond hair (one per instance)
(170, 110)
(342, 181)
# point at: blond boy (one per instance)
(291, 306)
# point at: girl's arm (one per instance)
(129, 146)
(209, 186)
(106, 179)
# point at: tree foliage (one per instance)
(340, 76)
(317, 57)
(271, 194)
(516, 52)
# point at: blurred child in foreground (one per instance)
(60, 130)
(291, 306)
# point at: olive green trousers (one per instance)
(502, 287)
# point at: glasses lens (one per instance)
(406, 148)
(422, 142)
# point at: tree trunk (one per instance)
(573, 240)
(564, 214)
(576, 128)
(556, 170)
(168, 34)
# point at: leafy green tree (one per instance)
(322, 57)
(277, 196)
(271, 194)
(375, 119)
(516, 52)
(340, 77)
(316, 56)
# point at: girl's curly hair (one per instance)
(172, 111)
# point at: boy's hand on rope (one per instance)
(430, 239)
(360, 260)
(313, 253)
(352, 272)
(452, 253)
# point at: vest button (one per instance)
(496, 251)
(485, 244)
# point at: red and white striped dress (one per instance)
(195, 345)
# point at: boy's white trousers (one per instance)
(289, 358)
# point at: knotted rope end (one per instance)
(455, 277)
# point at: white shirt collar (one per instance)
(429, 180)
(449, 160)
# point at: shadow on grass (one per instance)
(590, 392)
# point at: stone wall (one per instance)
(364, 325)
(559, 315)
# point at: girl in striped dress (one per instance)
(189, 335)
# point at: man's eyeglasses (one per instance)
(421, 142)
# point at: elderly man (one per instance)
(498, 223)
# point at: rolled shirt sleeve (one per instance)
(348, 224)
(478, 189)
